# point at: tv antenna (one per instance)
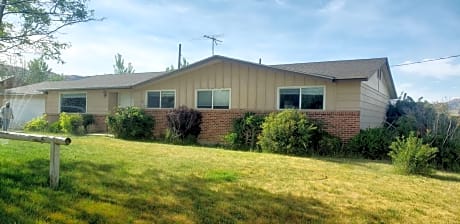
(214, 40)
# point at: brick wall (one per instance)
(344, 124)
(217, 123)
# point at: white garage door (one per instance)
(25, 108)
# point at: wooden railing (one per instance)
(55, 143)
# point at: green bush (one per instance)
(287, 132)
(372, 143)
(131, 123)
(329, 145)
(245, 131)
(71, 123)
(433, 124)
(54, 127)
(37, 124)
(88, 119)
(183, 125)
(411, 156)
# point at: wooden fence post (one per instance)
(54, 165)
(55, 143)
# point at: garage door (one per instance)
(25, 108)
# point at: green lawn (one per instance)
(105, 180)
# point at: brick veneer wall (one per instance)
(217, 123)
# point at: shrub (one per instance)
(88, 119)
(131, 123)
(432, 123)
(71, 123)
(54, 127)
(411, 156)
(445, 135)
(329, 145)
(245, 131)
(287, 132)
(37, 124)
(183, 125)
(372, 143)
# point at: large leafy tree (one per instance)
(119, 66)
(32, 25)
(38, 71)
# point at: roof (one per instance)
(28, 89)
(123, 81)
(345, 69)
(90, 82)
(331, 70)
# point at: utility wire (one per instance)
(419, 62)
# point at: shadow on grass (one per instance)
(351, 160)
(445, 177)
(105, 193)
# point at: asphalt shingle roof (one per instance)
(104, 81)
(28, 89)
(346, 69)
(333, 70)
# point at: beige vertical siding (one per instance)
(113, 101)
(252, 87)
(374, 102)
(52, 102)
(97, 101)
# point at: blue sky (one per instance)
(147, 33)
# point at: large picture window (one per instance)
(161, 99)
(304, 98)
(73, 102)
(213, 99)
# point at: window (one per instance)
(301, 97)
(161, 99)
(73, 102)
(213, 99)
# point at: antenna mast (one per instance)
(214, 41)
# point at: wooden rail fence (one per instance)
(55, 143)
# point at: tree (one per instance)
(119, 66)
(31, 25)
(183, 64)
(38, 71)
(170, 68)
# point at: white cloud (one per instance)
(333, 6)
(441, 69)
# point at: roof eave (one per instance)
(80, 89)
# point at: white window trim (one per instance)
(86, 98)
(162, 90)
(212, 98)
(300, 101)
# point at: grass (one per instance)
(105, 180)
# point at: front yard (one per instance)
(105, 180)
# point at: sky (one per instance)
(147, 34)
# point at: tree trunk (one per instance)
(2, 9)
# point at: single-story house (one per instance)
(347, 95)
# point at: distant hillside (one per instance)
(73, 77)
(19, 73)
(454, 106)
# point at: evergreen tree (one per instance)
(119, 66)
